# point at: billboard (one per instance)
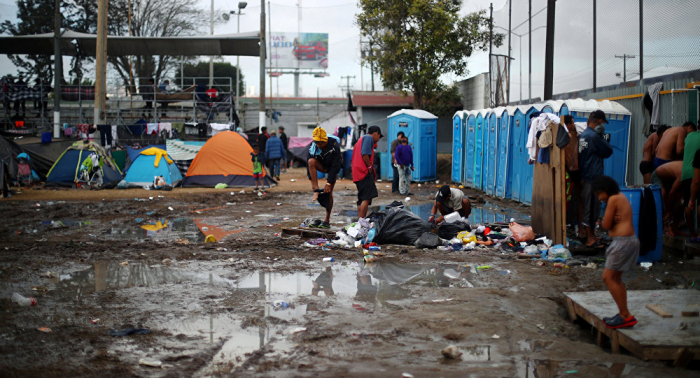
(299, 50)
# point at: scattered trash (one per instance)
(220, 186)
(483, 267)
(49, 275)
(232, 193)
(210, 239)
(407, 375)
(328, 259)
(248, 211)
(521, 233)
(94, 321)
(495, 336)
(130, 331)
(540, 263)
(540, 326)
(280, 304)
(683, 326)
(205, 228)
(40, 288)
(285, 219)
(150, 361)
(591, 265)
(443, 300)
(293, 180)
(297, 330)
(370, 258)
(194, 307)
(242, 192)
(260, 194)
(170, 208)
(279, 204)
(571, 371)
(407, 199)
(124, 264)
(182, 241)
(645, 265)
(44, 329)
(452, 352)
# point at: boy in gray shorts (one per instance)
(623, 252)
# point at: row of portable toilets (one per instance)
(489, 153)
(489, 150)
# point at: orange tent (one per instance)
(225, 158)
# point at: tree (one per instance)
(222, 71)
(152, 18)
(417, 41)
(37, 17)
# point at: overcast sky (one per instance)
(673, 48)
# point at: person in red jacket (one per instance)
(363, 173)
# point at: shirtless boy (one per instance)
(623, 252)
(672, 144)
(646, 166)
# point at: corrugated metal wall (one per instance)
(674, 112)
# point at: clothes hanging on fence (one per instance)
(537, 124)
(105, 135)
(165, 127)
(654, 91)
(152, 128)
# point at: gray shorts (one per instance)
(622, 254)
(591, 205)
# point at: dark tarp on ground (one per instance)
(398, 226)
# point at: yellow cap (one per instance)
(320, 135)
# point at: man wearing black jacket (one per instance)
(285, 142)
(324, 157)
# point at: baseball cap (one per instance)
(443, 193)
(375, 129)
(599, 114)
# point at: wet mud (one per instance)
(256, 303)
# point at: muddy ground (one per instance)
(116, 260)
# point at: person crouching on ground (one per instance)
(324, 157)
(404, 160)
(623, 252)
(258, 174)
(363, 173)
(449, 200)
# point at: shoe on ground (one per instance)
(325, 224)
(316, 223)
(605, 320)
(617, 322)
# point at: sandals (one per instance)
(597, 245)
(617, 322)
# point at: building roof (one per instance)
(381, 99)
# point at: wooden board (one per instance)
(659, 311)
(549, 195)
(653, 338)
(308, 233)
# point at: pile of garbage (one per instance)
(397, 225)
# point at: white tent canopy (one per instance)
(74, 43)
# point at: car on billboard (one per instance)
(311, 50)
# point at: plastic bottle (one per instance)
(280, 304)
(371, 234)
(23, 301)
(328, 259)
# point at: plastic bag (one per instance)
(558, 252)
(400, 226)
(427, 240)
(450, 230)
(522, 233)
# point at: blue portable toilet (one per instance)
(482, 119)
(458, 127)
(554, 107)
(619, 119)
(470, 143)
(522, 173)
(491, 147)
(505, 153)
(420, 128)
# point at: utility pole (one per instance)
(347, 87)
(549, 52)
(269, 21)
(318, 120)
(491, 101)
(641, 42)
(261, 114)
(510, 59)
(100, 64)
(58, 70)
(211, 58)
(241, 5)
(595, 68)
(371, 65)
(624, 58)
(529, 51)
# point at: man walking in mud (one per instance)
(363, 173)
(324, 157)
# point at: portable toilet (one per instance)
(522, 173)
(470, 144)
(420, 128)
(618, 127)
(553, 106)
(458, 127)
(480, 137)
(505, 153)
(491, 147)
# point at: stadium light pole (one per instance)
(520, 43)
(241, 5)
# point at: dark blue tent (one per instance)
(66, 169)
